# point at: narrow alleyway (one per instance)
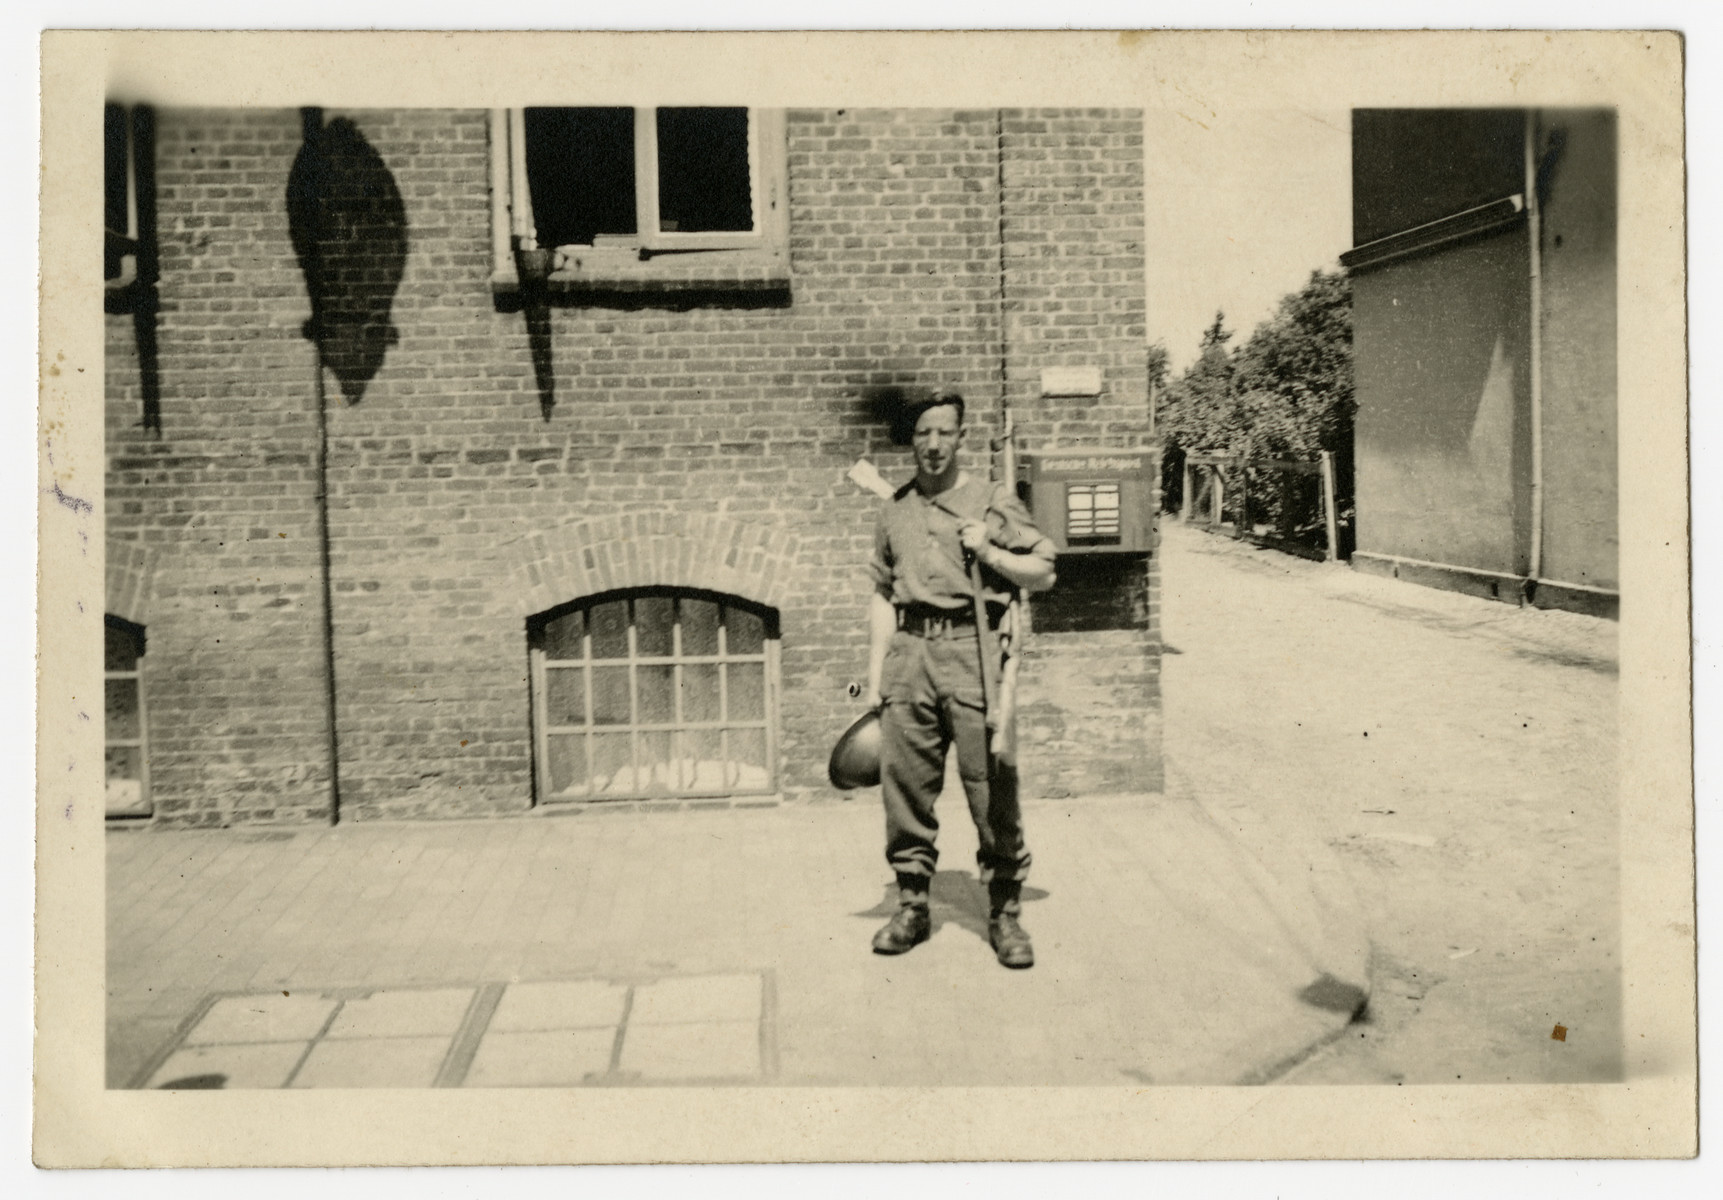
(1458, 756)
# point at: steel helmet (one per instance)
(855, 759)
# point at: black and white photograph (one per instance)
(665, 591)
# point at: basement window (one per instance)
(655, 693)
(636, 195)
(127, 791)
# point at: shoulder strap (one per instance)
(974, 501)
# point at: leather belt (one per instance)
(936, 623)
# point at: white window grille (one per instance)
(654, 694)
(127, 791)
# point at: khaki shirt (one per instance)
(918, 556)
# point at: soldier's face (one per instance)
(938, 435)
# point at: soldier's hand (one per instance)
(973, 535)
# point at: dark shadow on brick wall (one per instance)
(349, 230)
(646, 297)
(891, 404)
(130, 138)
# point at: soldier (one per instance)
(924, 667)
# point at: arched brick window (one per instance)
(124, 732)
(654, 693)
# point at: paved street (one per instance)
(1371, 785)
(695, 946)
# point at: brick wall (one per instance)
(233, 680)
(1091, 717)
(446, 483)
(1074, 296)
(1074, 273)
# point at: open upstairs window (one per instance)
(623, 195)
(128, 196)
(120, 201)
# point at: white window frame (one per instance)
(145, 808)
(128, 261)
(647, 217)
(766, 245)
(768, 723)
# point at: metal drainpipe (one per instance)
(1007, 433)
(1007, 426)
(1534, 228)
(311, 121)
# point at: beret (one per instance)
(903, 424)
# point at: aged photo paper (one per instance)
(705, 445)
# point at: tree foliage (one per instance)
(1285, 393)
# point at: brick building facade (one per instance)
(579, 526)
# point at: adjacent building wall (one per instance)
(1579, 355)
(1441, 346)
(1444, 305)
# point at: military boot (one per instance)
(1010, 943)
(909, 926)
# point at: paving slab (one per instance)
(263, 1018)
(263, 1065)
(545, 1058)
(392, 1062)
(576, 1004)
(402, 1013)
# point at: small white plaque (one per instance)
(1070, 381)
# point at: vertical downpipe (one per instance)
(311, 121)
(1534, 233)
(328, 597)
(1007, 433)
(1007, 426)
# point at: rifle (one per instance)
(1004, 743)
(1014, 627)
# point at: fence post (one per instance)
(1185, 494)
(1243, 512)
(1217, 495)
(1328, 517)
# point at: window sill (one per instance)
(584, 274)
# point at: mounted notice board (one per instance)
(1094, 500)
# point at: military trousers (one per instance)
(932, 691)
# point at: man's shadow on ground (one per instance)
(956, 897)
